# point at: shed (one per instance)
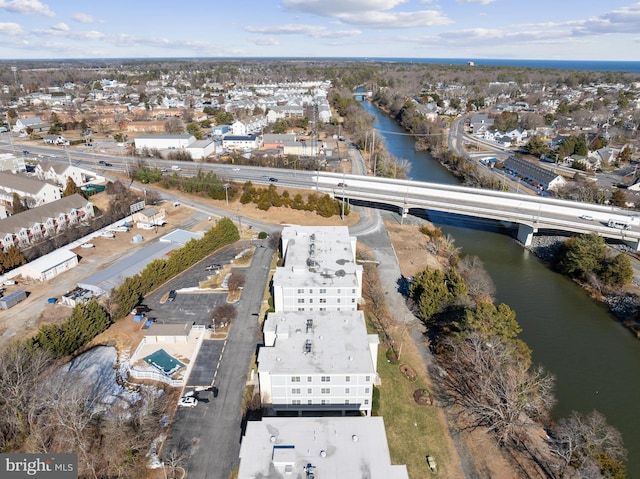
(50, 265)
(10, 300)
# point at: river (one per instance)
(596, 361)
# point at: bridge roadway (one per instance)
(530, 213)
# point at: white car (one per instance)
(586, 217)
(87, 245)
(188, 402)
(236, 169)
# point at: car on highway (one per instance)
(342, 185)
(172, 295)
(163, 170)
(104, 163)
(586, 217)
(236, 169)
(176, 168)
(273, 180)
(265, 177)
(188, 402)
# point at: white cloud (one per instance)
(369, 13)
(266, 41)
(83, 18)
(481, 2)
(10, 29)
(27, 7)
(312, 31)
(61, 27)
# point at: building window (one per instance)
(346, 402)
(310, 291)
(300, 309)
(296, 402)
(353, 291)
(311, 300)
(295, 391)
(338, 300)
(323, 300)
(366, 401)
(353, 300)
(309, 391)
(295, 379)
(309, 379)
(367, 378)
(323, 291)
(301, 291)
(300, 300)
(325, 391)
(338, 291)
(309, 402)
(325, 379)
(366, 390)
(347, 391)
(323, 402)
(347, 379)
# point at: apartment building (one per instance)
(320, 271)
(322, 447)
(317, 363)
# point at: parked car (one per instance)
(213, 267)
(87, 245)
(188, 402)
(172, 295)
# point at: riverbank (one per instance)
(623, 305)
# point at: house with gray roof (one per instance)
(32, 191)
(35, 124)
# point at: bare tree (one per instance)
(479, 284)
(236, 280)
(587, 441)
(174, 126)
(494, 388)
(223, 313)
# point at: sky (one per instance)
(466, 29)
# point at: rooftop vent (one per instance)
(340, 273)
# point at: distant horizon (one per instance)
(624, 66)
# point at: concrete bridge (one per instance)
(530, 213)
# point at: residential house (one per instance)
(59, 173)
(34, 192)
(238, 128)
(322, 447)
(319, 271)
(317, 362)
(34, 124)
(277, 140)
(234, 142)
(55, 140)
(480, 122)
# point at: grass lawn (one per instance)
(413, 431)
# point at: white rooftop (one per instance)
(318, 256)
(327, 447)
(51, 260)
(322, 341)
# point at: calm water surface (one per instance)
(595, 360)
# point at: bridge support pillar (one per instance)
(525, 234)
(404, 211)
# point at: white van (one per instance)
(176, 168)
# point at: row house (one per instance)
(320, 272)
(30, 226)
(34, 192)
(59, 173)
(320, 362)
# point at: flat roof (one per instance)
(336, 447)
(318, 256)
(322, 341)
(168, 329)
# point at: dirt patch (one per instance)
(413, 249)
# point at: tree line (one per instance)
(489, 379)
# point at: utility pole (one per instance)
(343, 179)
(226, 192)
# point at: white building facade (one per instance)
(320, 362)
(320, 271)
